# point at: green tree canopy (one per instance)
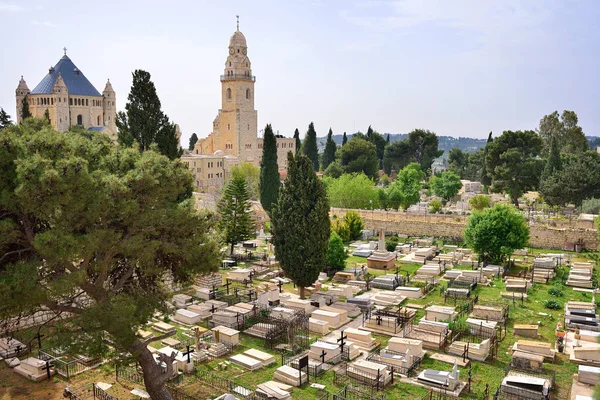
(309, 147)
(47, 115)
(351, 191)
(359, 155)
(25, 113)
(355, 224)
(334, 170)
(235, 209)
(336, 254)
(330, 149)
(513, 162)
(479, 202)
(251, 173)
(94, 230)
(269, 171)
(446, 185)
(298, 142)
(457, 161)
(404, 192)
(565, 129)
(5, 121)
(144, 121)
(300, 223)
(495, 233)
(578, 179)
(486, 179)
(421, 146)
(193, 140)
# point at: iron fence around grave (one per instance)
(101, 394)
(350, 392)
(433, 395)
(515, 393)
(69, 368)
(376, 356)
(225, 384)
(345, 373)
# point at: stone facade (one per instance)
(71, 100)
(235, 128)
(552, 235)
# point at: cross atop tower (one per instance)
(65, 50)
(238, 22)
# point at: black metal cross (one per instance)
(39, 339)
(213, 293)
(378, 319)
(227, 284)
(322, 356)
(47, 368)
(212, 308)
(341, 341)
(187, 353)
(280, 284)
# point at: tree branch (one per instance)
(121, 282)
(168, 360)
(15, 252)
(157, 338)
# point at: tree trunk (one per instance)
(301, 289)
(154, 378)
(516, 193)
(231, 248)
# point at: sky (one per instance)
(456, 67)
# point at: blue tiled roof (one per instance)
(77, 83)
(96, 129)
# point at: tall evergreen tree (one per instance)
(309, 147)
(344, 139)
(193, 140)
(387, 139)
(5, 121)
(330, 148)
(553, 163)
(235, 209)
(298, 141)
(25, 113)
(269, 171)
(486, 179)
(47, 115)
(369, 132)
(144, 121)
(300, 222)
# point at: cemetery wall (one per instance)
(553, 235)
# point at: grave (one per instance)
(223, 334)
(274, 390)
(517, 285)
(320, 299)
(303, 305)
(264, 358)
(409, 292)
(587, 354)
(182, 300)
(183, 363)
(526, 386)
(163, 327)
(540, 348)
(246, 362)
(488, 313)
(332, 351)
(589, 375)
(343, 313)
(353, 351)
(226, 318)
(387, 298)
(369, 372)
(475, 351)
(318, 326)
(187, 317)
(440, 379)
(352, 310)
(343, 276)
(440, 313)
(525, 330)
(209, 280)
(432, 334)
(283, 313)
(362, 339)
(527, 361)
(239, 274)
(144, 334)
(388, 281)
(10, 347)
(289, 375)
(362, 303)
(34, 369)
(217, 350)
(405, 345)
(481, 327)
(332, 318)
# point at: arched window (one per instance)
(98, 120)
(247, 93)
(79, 120)
(228, 93)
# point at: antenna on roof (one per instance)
(238, 22)
(65, 50)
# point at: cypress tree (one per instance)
(344, 139)
(298, 142)
(269, 171)
(387, 140)
(47, 115)
(300, 223)
(193, 140)
(486, 180)
(330, 148)
(144, 120)
(370, 132)
(25, 113)
(553, 164)
(235, 209)
(309, 147)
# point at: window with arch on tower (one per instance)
(228, 93)
(247, 93)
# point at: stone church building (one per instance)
(234, 137)
(71, 100)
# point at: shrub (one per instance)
(556, 292)
(552, 304)
(435, 206)
(590, 206)
(391, 243)
(479, 202)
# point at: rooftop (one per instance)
(76, 82)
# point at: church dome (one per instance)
(237, 40)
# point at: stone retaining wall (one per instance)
(542, 234)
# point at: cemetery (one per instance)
(436, 324)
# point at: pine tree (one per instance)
(47, 115)
(300, 223)
(193, 140)
(369, 132)
(25, 113)
(486, 180)
(344, 139)
(269, 171)
(144, 121)
(330, 148)
(298, 142)
(309, 147)
(5, 121)
(235, 209)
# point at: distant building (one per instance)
(234, 137)
(71, 100)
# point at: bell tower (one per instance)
(238, 118)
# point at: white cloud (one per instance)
(10, 7)
(43, 23)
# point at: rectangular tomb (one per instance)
(264, 358)
(187, 317)
(246, 362)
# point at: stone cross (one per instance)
(238, 22)
(65, 50)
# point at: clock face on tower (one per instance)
(244, 51)
(231, 51)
